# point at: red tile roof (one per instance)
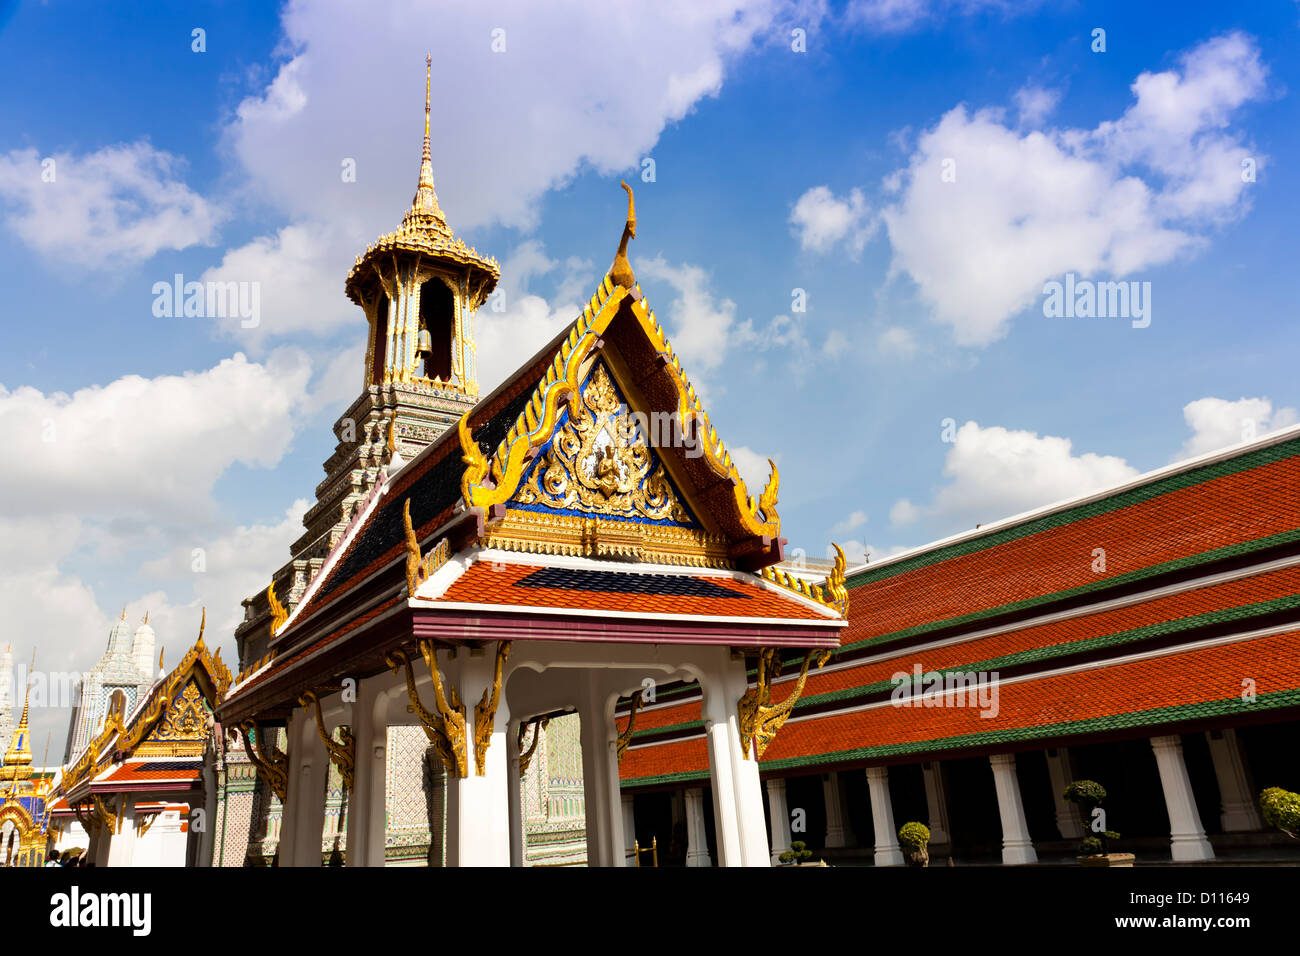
(1235, 508)
(623, 592)
(1091, 700)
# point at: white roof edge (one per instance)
(1209, 458)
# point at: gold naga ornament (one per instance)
(270, 760)
(834, 594)
(279, 614)
(342, 751)
(445, 728)
(625, 738)
(760, 719)
(418, 567)
(599, 463)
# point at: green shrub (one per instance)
(1281, 809)
(798, 853)
(1086, 793)
(914, 836)
(1096, 845)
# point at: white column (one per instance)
(779, 815)
(833, 795)
(737, 793)
(307, 792)
(367, 801)
(697, 844)
(605, 841)
(1186, 835)
(882, 818)
(1016, 844)
(936, 802)
(479, 806)
(121, 847)
(513, 784)
(629, 820)
(1061, 771)
(1238, 810)
(172, 842)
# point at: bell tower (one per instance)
(419, 287)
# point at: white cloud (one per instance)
(299, 272)
(509, 338)
(114, 207)
(1024, 208)
(897, 16)
(235, 564)
(611, 86)
(753, 467)
(1217, 423)
(147, 446)
(896, 342)
(850, 524)
(700, 329)
(821, 221)
(1035, 103)
(995, 472)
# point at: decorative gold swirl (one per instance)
(485, 711)
(760, 719)
(343, 751)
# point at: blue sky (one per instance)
(133, 439)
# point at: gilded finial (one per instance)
(146, 618)
(425, 203)
(203, 622)
(278, 612)
(124, 612)
(621, 271)
(160, 657)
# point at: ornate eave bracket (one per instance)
(759, 718)
(625, 738)
(342, 752)
(526, 756)
(445, 728)
(833, 594)
(485, 711)
(270, 760)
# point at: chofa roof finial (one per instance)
(621, 271)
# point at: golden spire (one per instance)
(425, 204)
(19, 756)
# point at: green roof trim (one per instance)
(1228, 707)
(685, 777)
(1192, 560)
(1208, 472)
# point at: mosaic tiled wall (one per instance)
(555, 831)
(415, 800)
(248, 814)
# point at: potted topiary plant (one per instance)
(1281, 809)
(1095, 850)
(797, 855)
(914, 838)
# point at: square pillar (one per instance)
(121, 845)
(367, 802)
(1238, 811)
(1187, 842)
(478, 806)
(737, 793)
(1061, 771)
(833, 796)
(606, 842)
(888, 852)
(779, 816)
(1017, 847)
(308, 781)
(936, 802)
(697, 844)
